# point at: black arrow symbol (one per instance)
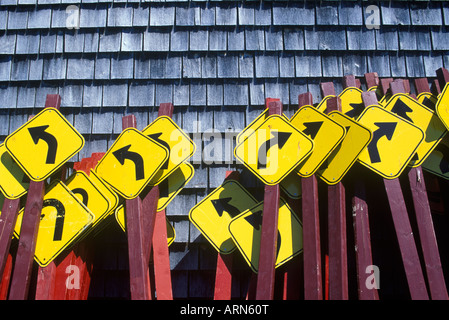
(444, 163)
(222, 205)
(83, 194)
(312, 128)
(356, 110)
(255, 220)
(38, 133)
(124, 153)
(155, 136)
(401, 109)
(428, 103)
(278, 138)
(60, 214)
(385, 129)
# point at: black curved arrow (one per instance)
(385, 129)
(356, 110)
(255, 220)
(155, 136)
(124, 153)
(278, 138)
(83, 194)
(444, 163)
(60, 214)
(312, 128)
(401, 109)
(39, 133)
(222, 205)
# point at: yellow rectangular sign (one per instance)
(179, 145)
(442, 106)
(274, 149)
(394, 142)
(131, 162)
(421, 116)
(325, 133)
(64, 218)
(246, 228)
(44, 143)
(14, 182)
(212, 214)
(343, 157)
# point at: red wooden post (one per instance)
(6, 277)
(268, 241)
(137, 251)
(429, 245)
(313, 289)
(30, 224)
(338, 264)
(162, 273)
(7, 223)
(223, 275)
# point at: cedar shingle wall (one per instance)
(216, 61)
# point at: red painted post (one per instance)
(268, 241)
(6, 277)
(162, 272)
(313, 289)
(8, 220)
(139, 276)
(30, 224)
(429, 245)
(338, 260)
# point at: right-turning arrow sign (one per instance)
(384, 129)
(277, 138)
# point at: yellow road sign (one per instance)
(438, 160)
(90, 195)
(343, 157)
(274, 149)
(442, 106)
(250, 128)
(173, 184)
(179, 145)
(131, 162)
(325, 133)
(351, 102)
(105, 190)
(212, 214)
(428, 99)
(64, 218)
(120, 217)
(13, 181)
(394, 142)
(246, 228)
(423, 117)
(44, 143)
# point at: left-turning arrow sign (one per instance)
(124, 153)
(39, 133)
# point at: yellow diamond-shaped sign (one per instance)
(166, 132)
(64, 217)
(291, 185)
(420, 115)
(325, 133)
(120, 217)
(442, 106)
(173, 184)
(44, 143)
(343, 157)
(212, 214)
(246, 228)
(438, 160)
(13, 181)
(428, 99)
(131, 162)
(274, 149)
(394, 142)
(90, 195)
